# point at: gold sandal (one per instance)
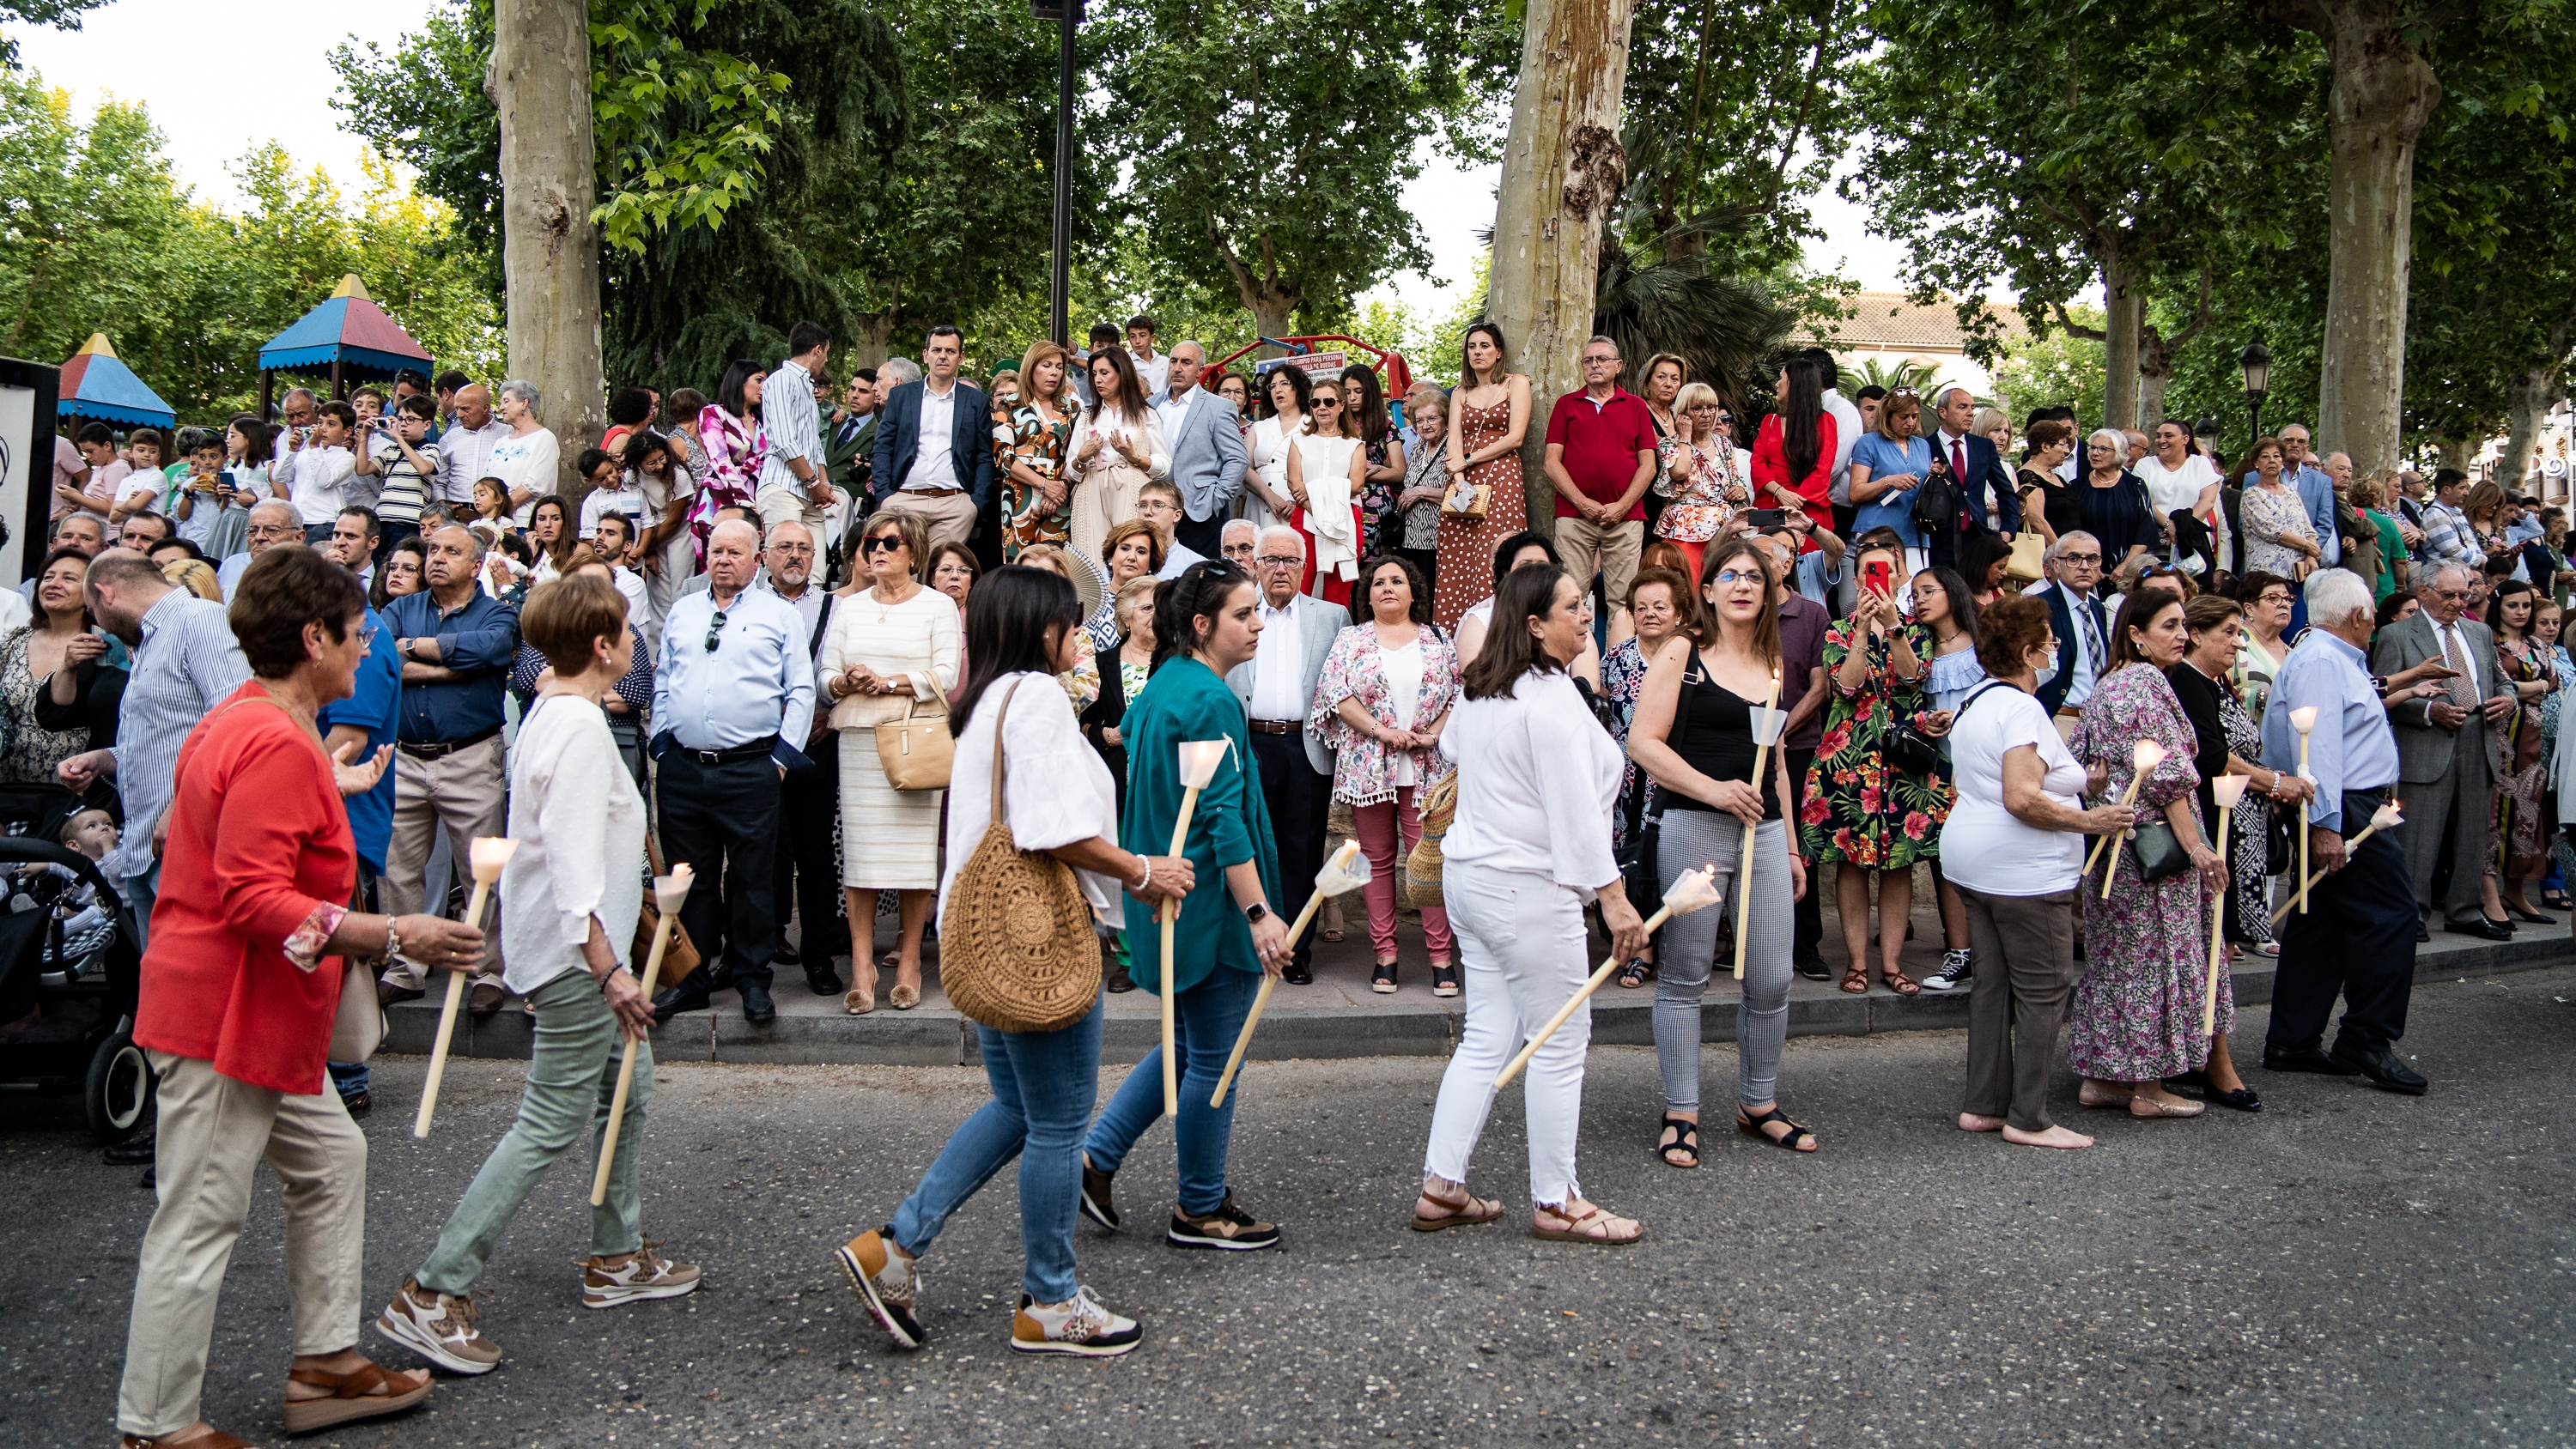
(353, 1396)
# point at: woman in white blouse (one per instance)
(1326, 471)
(893, 648)
(1266, 500)
(1117, 447)
(1530, 845)
(1026, 627)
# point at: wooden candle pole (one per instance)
(488, 854)
(1744, 857)
(1692, 890)
(1198, 765)
(2144, 757)
(2388, 814)
(2303, 719)
(1340, 862)
(669, 894)
(2227, 790)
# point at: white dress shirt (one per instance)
(757, 681)
(1847, 431)
(1155, 371)
(934, 465)
(316, 477)
(1171, 410)
(468, 456)
(1278, 666)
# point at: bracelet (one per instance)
(1145, 880)
(393, 940)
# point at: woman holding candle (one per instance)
(2137, 1007)
(1697, 735)
(2229, 743)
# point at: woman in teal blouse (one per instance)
(1205, 623)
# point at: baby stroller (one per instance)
(67, 1017)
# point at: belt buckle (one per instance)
(708, 757)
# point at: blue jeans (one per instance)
(141, 891)
(349, 1078)
(1044, 1084)
(1206, 1019)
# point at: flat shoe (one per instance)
(2090, 1096)
(2143, 1107)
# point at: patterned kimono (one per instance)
(1026, 521)
(2136, 1010)
(2516, 848)
(1859, 808)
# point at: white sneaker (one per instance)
(1079, 1326)
(439, 1327)
(644, 1275)
(1953, 974)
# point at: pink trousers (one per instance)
(1379, 826)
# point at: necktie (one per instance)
(2092, 627)
(1959, 461)
(2464, 691)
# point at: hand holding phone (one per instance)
(1878, 578)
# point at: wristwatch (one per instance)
(1254, 912)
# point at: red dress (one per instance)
(1771, 465)
(258, 843)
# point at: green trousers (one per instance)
(571, 1078)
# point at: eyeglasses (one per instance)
(2281, 597)
(1599, 361)
(881, 543)
(1740, 576)
(715, 630)
(1274, 561)
(791, 548)
(2079, 558)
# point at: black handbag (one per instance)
(2159, 851)
(1936, 502)
(1638, 858)
(2280, 846)
(1911, 750)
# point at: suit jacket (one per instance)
(898, 443)
(1318, 624)
(1986, 468)
(1208, 456)
(2061, 620)
(2426, 752)
(848, 452)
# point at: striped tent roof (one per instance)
(348, 328)
(97, 384)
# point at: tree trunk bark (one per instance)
(1563, 171)
(1273, 312)
(2531, 394)
(2155, 372)
(2124, 296)
(540, 82)
(2382, 94)
(2454, 452)
(876, 338)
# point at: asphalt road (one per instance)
(2347, 1268)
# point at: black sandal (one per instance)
(1752, 1126)
(1685, 1140)
(1634, 974)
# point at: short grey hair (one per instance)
(774, 529)
(525, 391)
(2334, 595)
(2433, 580)
(1941, 399)
(2114, 436)
(304, 392)
(2057, 550)
(293, 515)
(1281, 530)
(1191, 343)
(1232, 524)
(904, 370)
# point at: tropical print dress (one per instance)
(735, 449)
(1623, 679)
(1702, 500)
(1030, 438)
(1859, 809)
(1376, 502)
(2136, 1010)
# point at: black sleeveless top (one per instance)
(1713, 733)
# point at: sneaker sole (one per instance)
(1934, 983)
(867, 1292)
(1076, 1350)
(1179, 1239)
(594, 1298)
(429, 1348)
(1100, 1216)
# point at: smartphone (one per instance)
(1766, 519)
(1878, 576)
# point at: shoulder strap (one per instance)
(1978, 693)
(1000, 715)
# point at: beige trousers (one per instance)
(214, 1131)
(461, 793)
(1610, 549)
(946, 517)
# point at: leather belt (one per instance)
(2068, 711)
(1278, 727)
(931, 492)
(442, 748)
(758, 749)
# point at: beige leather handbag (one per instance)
(916, 750)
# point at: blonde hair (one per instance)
(1049, 557)
(1691, 396)
(1038, 352)
(1893, 404)
(1123, 607)
(1987, 418)
(196, 576)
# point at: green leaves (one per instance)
(683, 133)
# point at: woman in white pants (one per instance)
(1529, 846)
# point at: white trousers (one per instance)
(1521, 946)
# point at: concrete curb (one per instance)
(932, 1038)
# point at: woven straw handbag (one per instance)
(1016, 947)
(1422, 864)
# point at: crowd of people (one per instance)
(1878, 634)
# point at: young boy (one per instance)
(85, 923)
(97, 444)
(200, 497)
(139, 490)
(1159, 503)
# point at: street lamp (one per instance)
(1066, 14)
(2257, 362)
(2206, 432)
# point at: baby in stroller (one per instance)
(85, 925)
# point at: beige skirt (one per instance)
(889, 837)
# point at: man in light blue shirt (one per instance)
(733, 697)
(2357, 937)
(792, 487)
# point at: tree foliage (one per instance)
(2060, 370)
(60, 14)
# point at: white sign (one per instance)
(18, 455)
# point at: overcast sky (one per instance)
(220, 79)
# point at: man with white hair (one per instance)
(733, 702)
(1205, 438)
(530, 459)
(466, 445)
(272, 521)
(2082, 624)
(2442, 747)
(2357, 937)
(1236, 542)
(1277, 687)
(807, 880)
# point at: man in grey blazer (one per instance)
(2444, 778)
(1206, 442)
(1277, 688)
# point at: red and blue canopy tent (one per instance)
(97, 384)
(347, 336)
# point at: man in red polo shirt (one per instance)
(1600, 457)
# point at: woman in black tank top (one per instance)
(1693, 734)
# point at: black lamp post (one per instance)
(1066, 14)
(2257, 362)
(2206, 432)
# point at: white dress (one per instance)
(1104, 495)
(1269, 459)
(889, 837)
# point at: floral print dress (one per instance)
(2515, 847)
(1701, 501)
(1381, 527)
(1623, 679)
(734, 452)
(1364, 770)
(1859, 809)
(1031, 438)
(2136, 1010)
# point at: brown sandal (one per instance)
(211, 1439)
(1901, 984)
(1592, 1226)
(1856, 981)
(1465, 1211)
(353, 1396)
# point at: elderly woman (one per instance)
(2015, 843)
(892, 648)
(1703, 473)
(2146, 946)
(2230, 742)
(2113, 504)
(1057, 797)
(574, 896)
(1527, 850)
(1380, 705)
(2265, 599)
(60, 677)
(2279, 538)
(1426, 473)
(240, 985)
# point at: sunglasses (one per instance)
(883, 542)
(715, 630)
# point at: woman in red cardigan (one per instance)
(1793, 455)
(241, 978)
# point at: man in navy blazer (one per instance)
(1977, 468)
(2077, 616)
(934, 446)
